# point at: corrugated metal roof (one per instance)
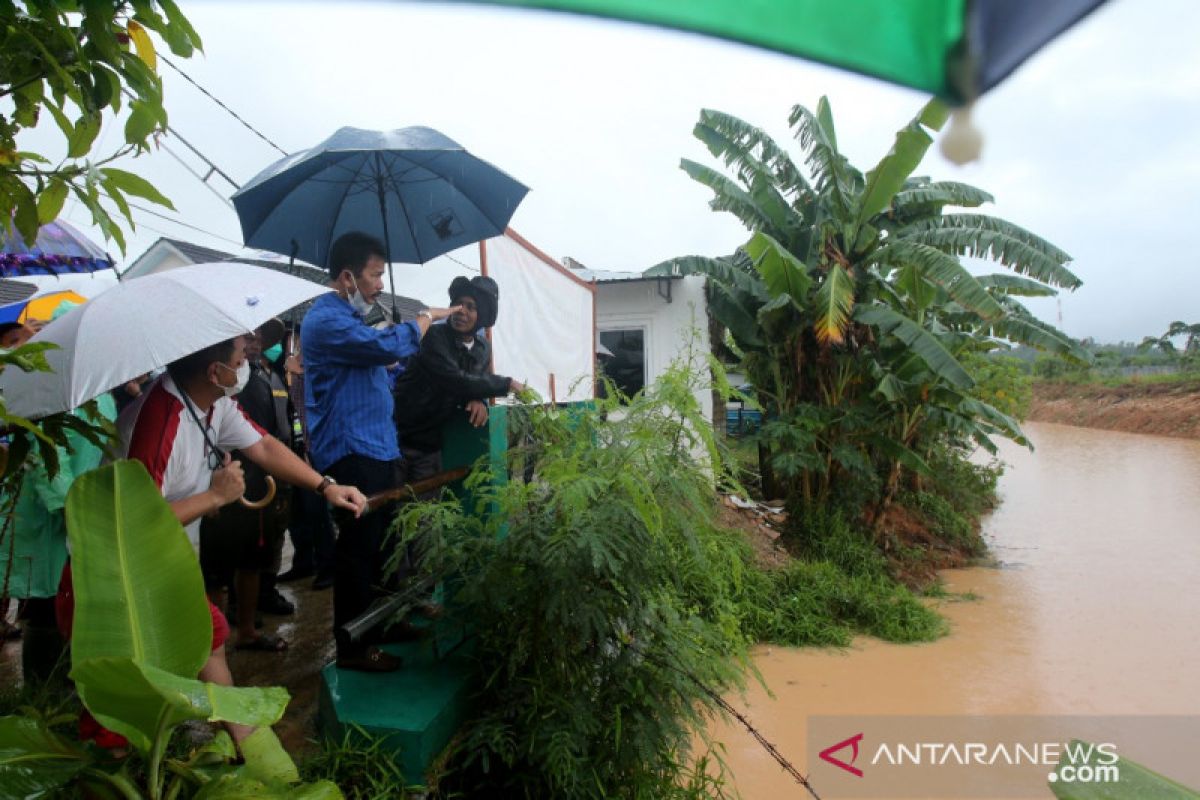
(15, 291)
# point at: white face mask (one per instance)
(357, 301)
(243, 377)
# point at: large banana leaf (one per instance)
(238, 786)
(266, 759)
(1136, 783)
(985, 222)
(721, 270)
(930, 197)
(835, 299)
(736, 142)
(889, 175)
(923, 343)
(34, 761)
(782, 272)
(742, 322)
(728, 196)
(1013, 253)
(139, 701)
(944, 270)
(818, 138)
(138, 589)
(1015, 285)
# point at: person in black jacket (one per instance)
(451, 375)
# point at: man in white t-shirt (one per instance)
(182, 428)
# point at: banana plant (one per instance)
(141, 632)
(852, 294)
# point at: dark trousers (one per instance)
(359, 563)
(311, 530)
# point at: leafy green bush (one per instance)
(968, 487)
(944, 522)
(603, 600)
(1002, 382)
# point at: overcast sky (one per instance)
(1093, 143)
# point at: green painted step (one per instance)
(416, 709)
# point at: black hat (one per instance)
(486, 294)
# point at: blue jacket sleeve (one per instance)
(346, 340)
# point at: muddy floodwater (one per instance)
(1093, 609)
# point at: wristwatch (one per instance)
(326, 481)
(426, 313)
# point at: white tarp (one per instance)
(546, 325)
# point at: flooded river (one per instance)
(1094, 610)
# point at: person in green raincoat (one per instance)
(34, 556)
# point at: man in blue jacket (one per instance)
(349, 405)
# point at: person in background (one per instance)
(181, 429)
(12, 336)
(33, 561)
(311, 528)
(239, 546)
(15, 334)
(352, 437)
(451, 375)
(129, 391)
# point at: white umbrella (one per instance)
(144, 324)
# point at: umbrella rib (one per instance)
(408, 223)
(340, 205)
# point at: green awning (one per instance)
(956, 49)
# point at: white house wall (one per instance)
(669, 327)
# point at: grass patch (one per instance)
(837, 587)
(360, 764)
(816, 604)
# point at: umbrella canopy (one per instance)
(41, 307)
(414, 188)
(145, 324)
(59, 249)
(956, 49)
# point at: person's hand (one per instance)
(441, 313)
(347, 497)
(477, 413)
(133, 388)
(228, 482)
(515, 386)
(293, 366)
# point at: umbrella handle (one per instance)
(265, 501)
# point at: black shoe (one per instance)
(276, 603)
(295, 574)
(324, 580)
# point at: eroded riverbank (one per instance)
(1162, 409)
